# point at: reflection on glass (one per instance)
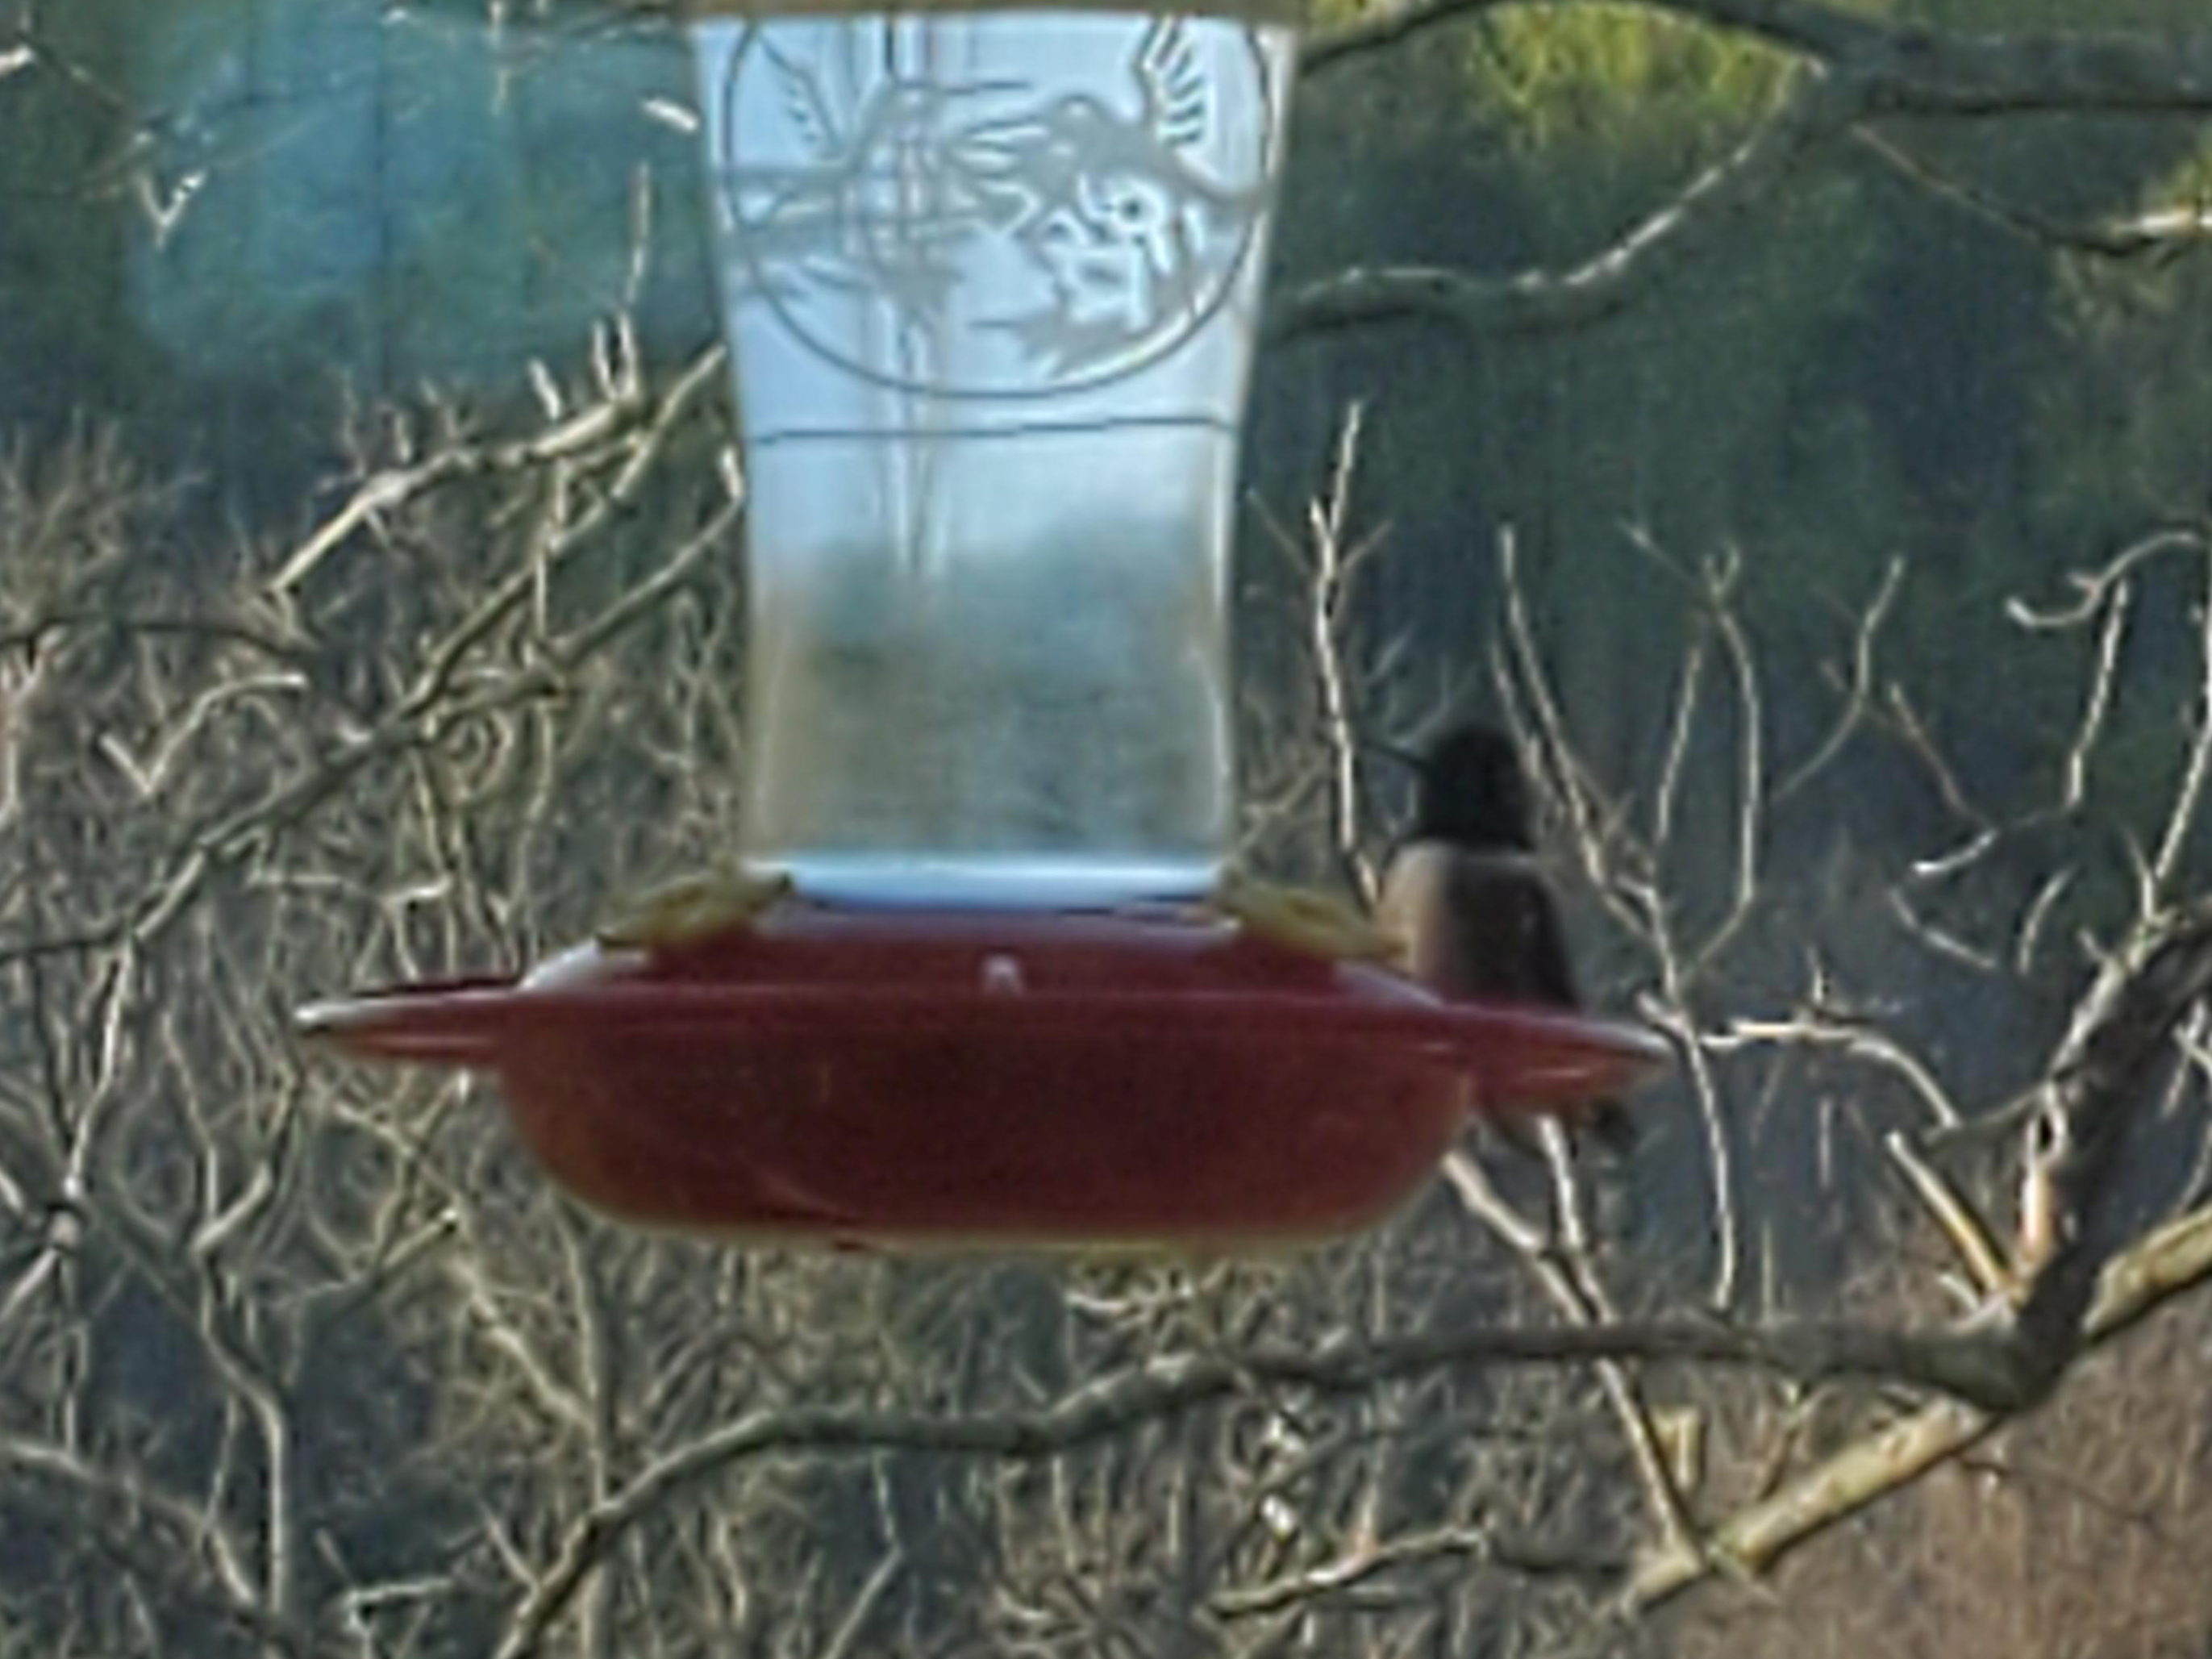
(991, 280)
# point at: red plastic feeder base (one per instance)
(1058, 1079)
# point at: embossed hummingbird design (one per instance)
(875, 207)
(1104, 204)
(1097, 197)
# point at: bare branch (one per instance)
(1649, 254)
(1955, 1218)
(1569, 1281)
(1858, 694)
(1478, 1546)
(1969, 1362)
(125, 1511)
(2070, 1229)
(1812, 1028)
(2125, 238)
(2095, 587)
(2176, 1258)
(2182, 816)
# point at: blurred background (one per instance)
(1825, 501)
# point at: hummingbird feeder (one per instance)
(991, 279)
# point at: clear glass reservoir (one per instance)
(991, 280)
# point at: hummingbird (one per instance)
(1468, 900)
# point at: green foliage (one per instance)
(1614, 77)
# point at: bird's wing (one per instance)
(1487, 925)
(805, 106)
(1171, 82)
(1478, 925)
(1533, 948)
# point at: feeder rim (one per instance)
(463, 1022)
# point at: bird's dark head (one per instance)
(1473, 792)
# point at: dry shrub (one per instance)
(2077, 1534)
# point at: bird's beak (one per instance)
(1003, 142)
(1004, 89)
